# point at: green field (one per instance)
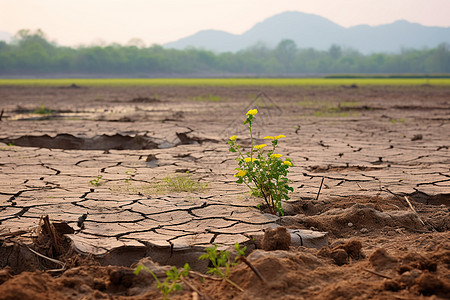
(228, 82)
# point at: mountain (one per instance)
(312, 31)
(5, 36)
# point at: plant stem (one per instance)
(251, 140)
(233, 284)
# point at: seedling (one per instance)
(96, 181)
(264, 172)
(173, 277)
(130, 176)
(221, 263)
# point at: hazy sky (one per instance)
(76, 22)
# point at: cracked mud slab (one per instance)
(390, 143)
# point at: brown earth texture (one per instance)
(85, 195)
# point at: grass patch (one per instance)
(209, 98)
(169, 184)
(258, 82)
(42, 110)
(183, 183)
(349, 104)
(329, 109)
(334, 112)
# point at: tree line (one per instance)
(31, 53)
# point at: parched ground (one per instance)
(94, 160)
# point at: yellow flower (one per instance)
(287, 163)
(269, 137)
(233, 137)
(279, 137)
(258, 147)
(252, 112)
(276, 155)
(248, 159)
(241, 173)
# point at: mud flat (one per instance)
(97, 161)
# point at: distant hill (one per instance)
(5, 36)
(312, 31)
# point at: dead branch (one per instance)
(244, 260)
(320, 188)
(192, 287)
(412, 208)
(376, 273)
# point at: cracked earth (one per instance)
(98, 161)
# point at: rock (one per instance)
(308, 238)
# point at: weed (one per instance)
(393, 121)
(96, 181)
(42, 110)
(329, 109)
(183, 183)
(221, 264)
(343, 104)
(171, 283)
(170, 183)
(331, 112)
(210, 98)
(264, 172)
(130, 176)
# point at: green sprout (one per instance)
(264, 172)
(173, 276)
(96, 181)
(221, 264)
(130, 176)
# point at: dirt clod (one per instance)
(276, 239)
(339, 256)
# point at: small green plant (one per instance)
(96, 181)
(42, 110)
(173, 277)
(264, 172)
(393, 121)
(183, 183)
(130, 176)
(221, 263)
(209, 98)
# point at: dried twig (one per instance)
(192, 287)
(376, 273)
(412, 208)
(205, 276)
(218, 279)
(63, 265)
(244, 260)
(320, 188)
